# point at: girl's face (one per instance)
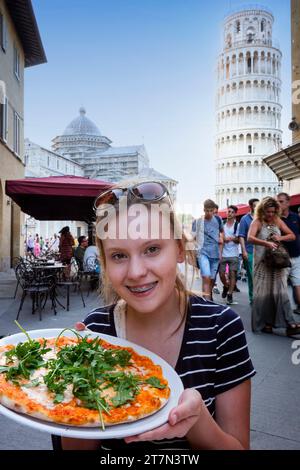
(269, 214)
(142, 271)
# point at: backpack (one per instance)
(220, 221)
(235, 227)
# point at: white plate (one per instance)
(111, 432)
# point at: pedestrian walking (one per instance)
(37, 246)
(209, 236)
(30, 244)
(246, 246)
(292, 220)
(271, 306)
(66, 244)
(230, 255)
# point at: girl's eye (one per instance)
(152, 250)
(118, 256)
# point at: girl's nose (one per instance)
(137, 268)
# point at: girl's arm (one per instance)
(191, 419)
(68, 443)
(231, 428)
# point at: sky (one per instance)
(145, 70)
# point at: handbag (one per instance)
(277, 258)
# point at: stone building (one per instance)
(20, 47)
(286, 162)
(39, 163)
(83, 151)
(248, 109)
(83, 143)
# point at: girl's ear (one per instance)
(180, 252)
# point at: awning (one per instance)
(285, 163)
(242, 210)
(56, 197)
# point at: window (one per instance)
(3, 119)
(238, 26)
(16, 63)
(3, 33)
(249, 148)
(17, 132)
(249, 65)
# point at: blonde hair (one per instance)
(186, 242)
(265, 204)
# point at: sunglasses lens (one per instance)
(109, 197)
(148, 191)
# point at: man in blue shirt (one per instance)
(209, 236)
(292, 220)
(247, 248)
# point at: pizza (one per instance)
(80, 381)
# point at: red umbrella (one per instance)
(56, 197)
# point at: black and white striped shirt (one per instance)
(213, 358)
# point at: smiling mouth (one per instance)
(142, 289)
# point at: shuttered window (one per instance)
(3, 119)
(3, 33)
(17, 133)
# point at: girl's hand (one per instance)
(272, 245)
(79, 326)
(276, 238)
(181, 419)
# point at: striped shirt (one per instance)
(213, 357)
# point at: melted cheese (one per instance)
(108, 393)
(41, 394)
(2, 359)
(49, 355)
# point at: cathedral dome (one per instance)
(82, 125)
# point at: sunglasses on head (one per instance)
(147, 192)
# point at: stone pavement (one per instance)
(275, 422)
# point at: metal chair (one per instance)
(92, 271)
(71, 278)
(37, 288)
(16, 262)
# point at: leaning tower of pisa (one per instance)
(248, 107)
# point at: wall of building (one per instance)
(11, 164)
(295, 29)
(41, 162)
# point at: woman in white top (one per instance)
(91, 258)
